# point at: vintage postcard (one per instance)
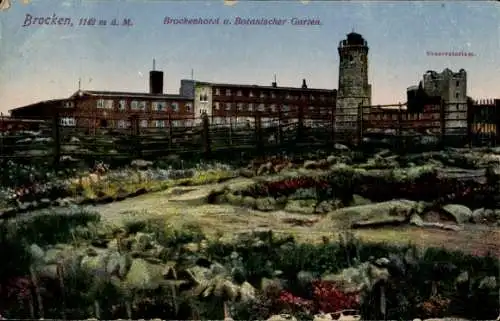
(249, 160)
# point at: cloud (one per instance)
(230, 2)
(305, 1)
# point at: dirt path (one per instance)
(183, 205)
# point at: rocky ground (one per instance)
(256, 201)
(189, 205)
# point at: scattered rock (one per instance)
(140, 163)
(144, 275)
(282, 317)
(489, 282)
(265, 204)
(416, 220)
(306, 206)
(462, 214)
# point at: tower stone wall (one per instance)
(354, 90)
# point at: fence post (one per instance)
(332, 124)
(280, 132)
(207, 150)
(443, 124)
(230, 131)
(134, 121)
(258, 131)
(399, 133)
(300, 125)
(56, 138)
(170, 131)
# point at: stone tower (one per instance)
(452, 88)
(353, 89)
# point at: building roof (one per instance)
(39, 103)
(266, 87)
(103, 93)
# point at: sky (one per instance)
(45, 62)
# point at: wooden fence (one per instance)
(55, 139)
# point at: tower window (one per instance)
(458, 83)
(351, 58)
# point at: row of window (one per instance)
(239, 93)
(141, 105)
(71, 122)
(144, 123)
(418, 116)
(270, 108)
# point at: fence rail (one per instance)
(141, 138)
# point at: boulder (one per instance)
(328, 206)
(416, 220)
(462, 214)
(385, 213)
(282, 317)
(265, 204)
(140, 163)
(144, 275)
(358, 200)
(358, 279)
(306, 206)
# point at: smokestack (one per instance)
(304, 85)
(155, 81)
(274, 83)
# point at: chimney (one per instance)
(304, 85)
(274, 83)
(155, 81)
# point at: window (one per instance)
(134, 105)
(228, 106)
(217, 91)
(322, 97)
(69, 104)
(189, 107)
(288, 96)
(142, 105)
(261, 107)
(217, 106)
(122, 123)
(311, 108)
(458, 107)
(100, 103)
(144, 123)
(273, 95)
(175, 123)
(273, 108)
(312, 97)
(394, 117)
(160, 123)
(457, 94)
(158, 105)
(286, 108)
(203, 97)
(108, 104)
(250, 107)
(239, 93)
(175, 107)
(228, 92)
(250, 94)
(67, 121)
(240, 106)
(262, 95)
(122, 105)
(458, 83)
